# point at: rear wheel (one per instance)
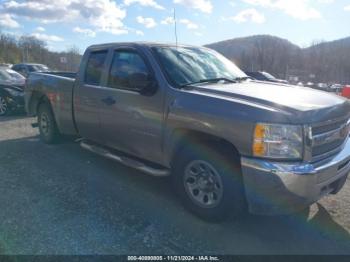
(4, 107)
(47, 125)
(209, 182)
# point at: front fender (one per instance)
(232, 120)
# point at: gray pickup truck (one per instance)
(229, 143)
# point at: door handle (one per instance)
(109, 101)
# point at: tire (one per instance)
(208, 180)
(4, 106)
(49, 133)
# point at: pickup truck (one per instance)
(230, 144)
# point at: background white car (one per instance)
(10, 77)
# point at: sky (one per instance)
(66, 23)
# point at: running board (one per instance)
(127, 161)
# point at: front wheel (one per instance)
(47, 125)
(209, 182)
(4, 106)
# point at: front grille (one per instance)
(322, 149)
(326, 127)
(328, 138)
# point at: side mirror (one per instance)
(143, 82)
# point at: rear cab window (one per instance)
(94, 67)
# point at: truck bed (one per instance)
(62, 74)
(58, 88)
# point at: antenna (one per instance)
(175, 26)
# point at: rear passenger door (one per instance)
(88, 95)
(131, 121)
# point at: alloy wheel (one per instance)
(203, 184)
(3, 106)
(44, 124)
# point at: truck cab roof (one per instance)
(140, 44)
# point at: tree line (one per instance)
(29, 49)
(321, 62)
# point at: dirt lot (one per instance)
(63, 200)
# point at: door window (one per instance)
(125, 64)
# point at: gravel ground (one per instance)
(63, 200)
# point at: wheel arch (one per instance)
(183, 137)
(36, 99)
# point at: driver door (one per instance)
(131, 122)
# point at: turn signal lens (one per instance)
(258, 145)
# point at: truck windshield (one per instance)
(187, 65)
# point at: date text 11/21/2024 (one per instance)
(173, 258)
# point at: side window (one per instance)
(22, 70)
(94, 67)
(125, 64)
(17, 68)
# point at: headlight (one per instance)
(13, 92)
(278, 141)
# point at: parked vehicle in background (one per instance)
(5, 65)
(264, 76)
(310, 84)
(10, 77)
(229, 143)
(322, 87)
(346, 91)
(11, 91)
(337, 88)
(26, 69)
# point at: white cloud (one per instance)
(49, 38)
(42, 10)
(150, 3)
(85, 31)
(148, 22)
(203, 5)
(347, 8)
(326, 1)
(40, 29)
(189, 24)
(167, 21)
(139, 32)
(299, 9)
(103, 15)
(7, 20)
(232, 3)
(258, 2)
(249, 15)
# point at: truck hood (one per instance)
(297, 102)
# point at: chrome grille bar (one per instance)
(330, 136)
(323, 140)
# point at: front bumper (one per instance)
(275, 188)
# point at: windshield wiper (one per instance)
(211, 80)
(243, 78)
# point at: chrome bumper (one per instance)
(275, 188)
